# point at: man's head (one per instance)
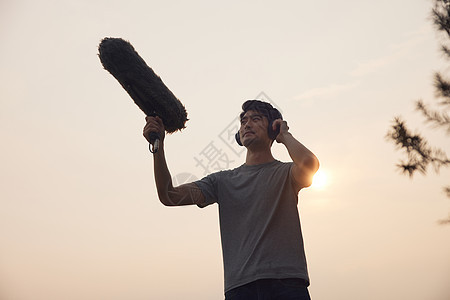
(251, 110)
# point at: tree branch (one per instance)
(438, 119)
(419, 154)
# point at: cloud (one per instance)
(327, 91)
(400, 50)
(373, 65)
(403, 49)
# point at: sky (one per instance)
(79, 214)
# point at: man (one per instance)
(262, 244)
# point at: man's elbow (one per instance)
(312, 164)
(165, 199)
(165, 202)
(311, 167)
(316, 164)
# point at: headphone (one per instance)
(272, 115)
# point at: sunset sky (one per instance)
(79, 215)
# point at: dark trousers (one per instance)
(271, 289)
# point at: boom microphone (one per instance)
(146, 88)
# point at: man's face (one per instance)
(254, 128)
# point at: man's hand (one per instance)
(154, 124)
(284, 129)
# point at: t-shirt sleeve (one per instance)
(296, 185)
(208, 186)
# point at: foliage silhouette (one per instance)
(419, 154)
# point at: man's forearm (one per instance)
(300, 155)
(163, 178)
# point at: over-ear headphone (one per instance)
(238, 138)
(268, 111)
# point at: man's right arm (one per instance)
(185, 194)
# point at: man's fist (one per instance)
(154, 124)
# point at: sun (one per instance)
(320, 180)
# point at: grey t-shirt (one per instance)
(259, 222)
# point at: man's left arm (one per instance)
(305, 163)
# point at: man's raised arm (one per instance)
(169, 195)
(305, 164)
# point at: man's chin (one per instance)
(248, 141)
